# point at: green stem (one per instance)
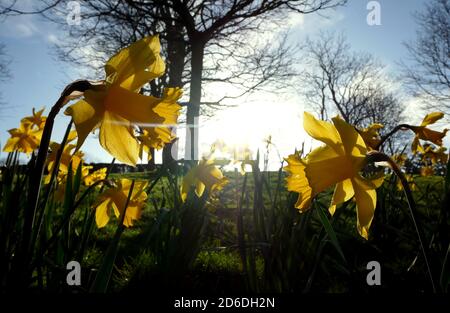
(392, 132)
(38, 170)
(55, 169)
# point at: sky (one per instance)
(38, 77)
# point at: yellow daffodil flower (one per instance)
(24, 139)
(91, 178)
(154, 138)
(115, 199)
(115, 106)
(371, 135)
(203, 176)
(67, 158)
(435, 155)
(339, 163)
(36, 119)
(424, 133)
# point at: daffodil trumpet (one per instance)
(376, 156)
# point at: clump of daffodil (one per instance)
(424, 133)
(203, 176)
(114, 199)
(37, 119)
(371, 135)
(24, 139)
(73, 159)
(339, 162)
(116, 107)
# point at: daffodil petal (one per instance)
(86, 116)
(432, 135)
(431, 118)
(101, 213)
(139, 109)
(297, 181)
(116, 136)
(168, 108)
(415, 146)
(199, 188)
(324, 168)
(11, 144)
(131, 214)
(188, 181)
(323, 131)
(366, 200)
(343, 192)
(353, 143)
(136, 64)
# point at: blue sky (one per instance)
(38, 77)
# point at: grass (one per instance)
(248, 237)
(218, 265)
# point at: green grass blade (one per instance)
(330, 232)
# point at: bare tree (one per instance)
(352, 84)
(217, 40)
(212, 32)
(428, 74)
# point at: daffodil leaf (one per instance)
(77, 180)
(330, 231)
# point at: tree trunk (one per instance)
(193, 109)
(151, 163)
(176, 49)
